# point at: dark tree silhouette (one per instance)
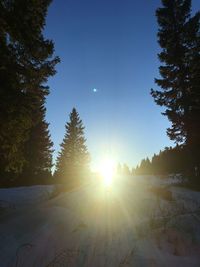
(179, 38)
(73, 159)
(38, 151)
(169, 161)
(25, 64)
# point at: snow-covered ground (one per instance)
(22, 196)
(126, 225)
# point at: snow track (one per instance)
(92, 226)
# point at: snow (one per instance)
(24, 195)
(126, 225)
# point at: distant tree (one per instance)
(155, 164)
(119, 169)
(25, 64)
(126, 170)
(169, 161)
(133, 171)
(73, 159)
(179, 38)
(145, 167)
(137, 170)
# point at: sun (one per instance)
(107, 170)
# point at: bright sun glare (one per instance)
(107, 170)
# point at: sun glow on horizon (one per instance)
(107, 171)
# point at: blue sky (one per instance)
(110, 45)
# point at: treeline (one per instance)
(179, 90)
(179, 83)
(26, 62)
(169, 161)
(124, 170)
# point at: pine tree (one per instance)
(193, 118)
(73, 159)
(126, 170)
(145, 166)
(25, 64)
(178, 37)
(38, 151)
(119, 169)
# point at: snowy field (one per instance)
(143, 221)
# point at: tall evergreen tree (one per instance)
(38, 150)
(73, 159)
(178, 37)
(25, 64)
(193, 118)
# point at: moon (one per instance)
(94, 90)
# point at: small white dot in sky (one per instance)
(95, 90)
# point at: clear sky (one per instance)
(110, 45)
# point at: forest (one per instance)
(99, 133)
(26, 147)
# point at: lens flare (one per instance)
(107, 170)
